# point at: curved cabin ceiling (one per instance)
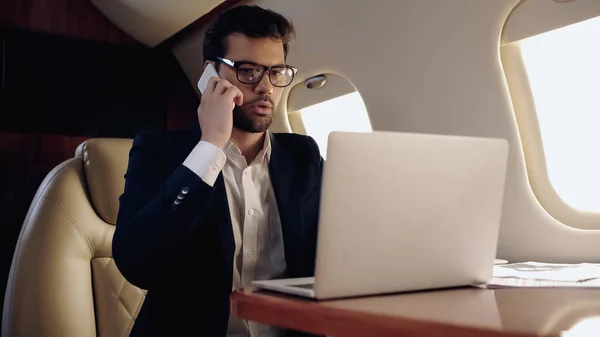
(153, 21)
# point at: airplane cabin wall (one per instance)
(427, 66)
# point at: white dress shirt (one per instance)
(259, 252)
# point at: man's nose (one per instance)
(264, 86)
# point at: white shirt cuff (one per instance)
(207, 161)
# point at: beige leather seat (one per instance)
(63, 281)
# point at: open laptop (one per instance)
(404, 212)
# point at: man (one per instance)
(209, 209)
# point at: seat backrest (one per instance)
(63, 281)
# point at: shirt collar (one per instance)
(231, 150)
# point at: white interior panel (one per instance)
(153, 21)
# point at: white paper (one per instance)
(550, 275)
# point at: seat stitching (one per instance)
(136, 312)
(106, 265)
(119, 299)
(125, 307)
(114, 303)
(74, 222)
(119, 293)
(104, 276)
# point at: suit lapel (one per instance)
(282, 169)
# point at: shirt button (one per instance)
(251, 211)
(215, 168)
(249, 253)
(185, 190)
(246, 173)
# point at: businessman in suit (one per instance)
(208, 209)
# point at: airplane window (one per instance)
(564, 72)
(343, 113)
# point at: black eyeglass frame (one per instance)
(237, 65)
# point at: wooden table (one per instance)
(457, 312)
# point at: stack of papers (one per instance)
(545, 275)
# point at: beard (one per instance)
(252, 123)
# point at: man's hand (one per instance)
(215, 111)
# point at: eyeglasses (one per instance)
(251, 73)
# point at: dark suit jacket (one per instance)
(182, 252)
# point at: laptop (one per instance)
(404, 212)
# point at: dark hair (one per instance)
(252, 21)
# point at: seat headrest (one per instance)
(105, 162)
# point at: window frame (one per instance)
(533, 148)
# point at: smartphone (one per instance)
(209, 72)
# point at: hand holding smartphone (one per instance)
(219, 97)
(209, 72)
